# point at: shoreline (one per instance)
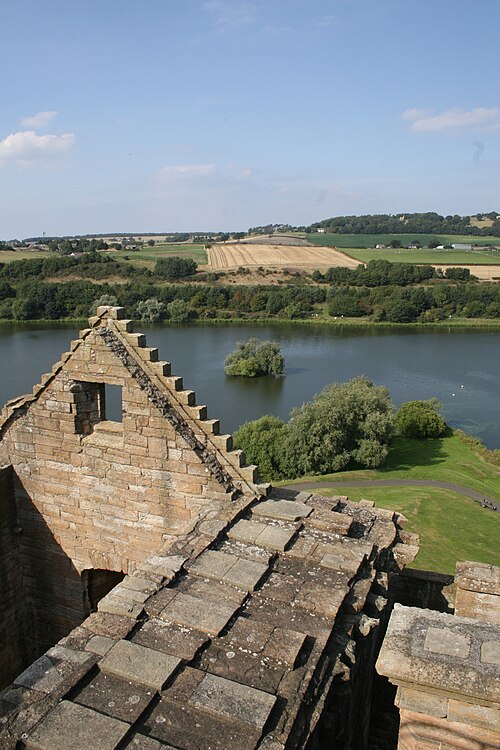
(455, 323)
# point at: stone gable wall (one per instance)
(95, 494)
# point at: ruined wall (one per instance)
(446, 670)
(13, 619)
(478, 591)
(96, 494)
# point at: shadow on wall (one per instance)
(43, 595)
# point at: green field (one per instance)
(451, 526)
(370, 240)
(435, 257)
(145, 258)
(7, 256)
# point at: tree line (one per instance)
(412, 223)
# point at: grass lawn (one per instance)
(147, 256)
(7, 256)
(451, 526)
(463, 257)
(446, 459)
(370, 240)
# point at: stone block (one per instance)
(121, 699)
(446, 641)
(170, 638)
(490, 652)
(75, 727)
(283, 510)
(246, 531)
(275, 537)
(139, 664)
(210, 617)
(422, 702)
(476, 716)
(141, 742)
(245, 574)
(233, 701)
(100, 645)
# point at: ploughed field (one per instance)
(222, 257)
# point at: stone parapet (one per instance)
(478, 591)
(447, 672)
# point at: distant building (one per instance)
(321, 230)
(462, 246)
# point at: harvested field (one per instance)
(223, 257)
(483, 272)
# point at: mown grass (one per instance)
(147, 256)
(435, 257)
(445, 459)
(451, 527)
(370, 240)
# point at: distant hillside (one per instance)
(482, 225)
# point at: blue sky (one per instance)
(174, 115)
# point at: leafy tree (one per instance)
(151, 310)
(255, 358)
(262, 440)
(175, 268)
(420, 419)
(178, 311)
(346, 422)
(458, 274)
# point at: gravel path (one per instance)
(477, 496)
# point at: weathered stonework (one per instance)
(447, 671)
(91, 494)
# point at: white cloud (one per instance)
(245, 173)
(231, 14)
(480, 118)
(40, 120)
(187, 170)
(26, 147)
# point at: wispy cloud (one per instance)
(230, 13)
(480, 118)
(26, 147)
(187, 170)
(40, 120)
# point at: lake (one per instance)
(459, 367)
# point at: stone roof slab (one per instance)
(210, 617)
(139, 664)
(283, 510)
(233, 701)
(75, 727)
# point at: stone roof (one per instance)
(234, 628)
(233, 636)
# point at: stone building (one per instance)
(156, 595)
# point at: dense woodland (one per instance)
(414, 223)
(67, 287)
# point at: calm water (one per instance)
(460, 368)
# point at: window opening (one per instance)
(96, 583)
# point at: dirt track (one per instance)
(222, 257)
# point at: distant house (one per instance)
(321, 230)
(462, 246)
(379, 247)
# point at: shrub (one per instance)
(175, 268)
(420, 419)
(255, 358)
(262, 440)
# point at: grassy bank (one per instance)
(446, 459)
(451, 526)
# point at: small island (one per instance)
(255, 358)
